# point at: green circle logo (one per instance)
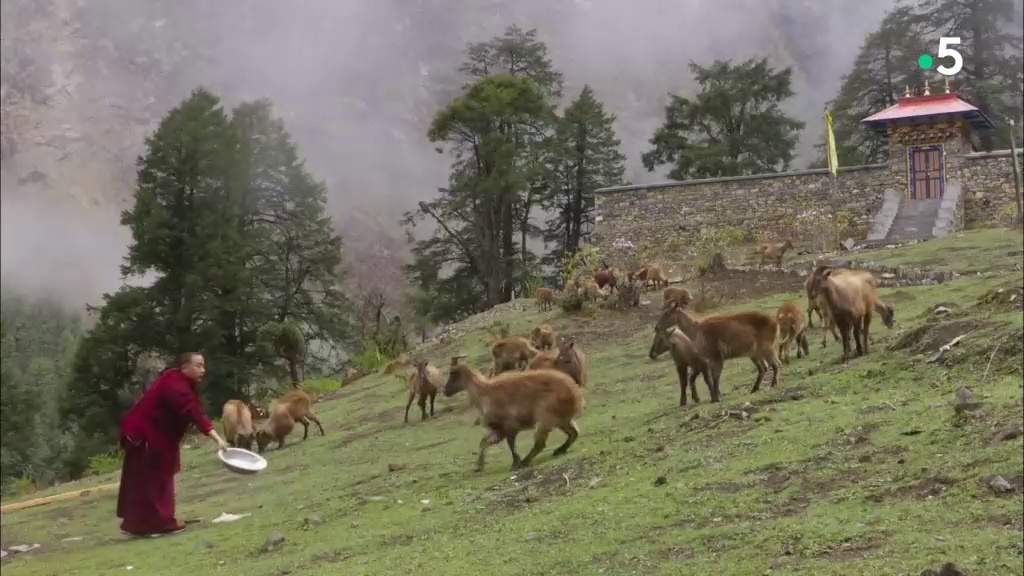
(925, 62)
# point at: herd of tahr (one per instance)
(536, 382)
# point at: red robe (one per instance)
(151, 434)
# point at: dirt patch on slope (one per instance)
(924, 489)
(738, 285)
(532, 485)
(1004, 299)
(1014, 480)
(930, 336)
(849, 551)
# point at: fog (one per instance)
(68, 254)
(357, 84)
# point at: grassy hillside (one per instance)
(857, 469)
(985, 250)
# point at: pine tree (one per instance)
(236, 233)
(880, 74)
(296, 253)
(489, 128)
(183, 223)
(992, 46)
(517, 54)
(733, 127)
(102, 383)
(584, 156)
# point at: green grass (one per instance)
(857, 469)
(993, 249)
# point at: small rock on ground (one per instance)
(311, 521)
(999, 485)
(274, 540)
(948, 569)
(965, 401)
(1012, 431)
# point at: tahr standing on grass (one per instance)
(151, 435)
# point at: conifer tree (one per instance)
(584, 156)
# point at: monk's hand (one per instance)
(221, 445)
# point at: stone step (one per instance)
(918, 228)
(915, 219)
(915, 222)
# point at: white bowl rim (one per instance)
(257, 462)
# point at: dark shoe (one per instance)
(178, 527)
(169, 532)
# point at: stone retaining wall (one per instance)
(648, 215)
(667, 218)
(987, 178)
(888, 276)
(894, 276)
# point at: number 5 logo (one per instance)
(945, 50)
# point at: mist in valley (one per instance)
(357, 84)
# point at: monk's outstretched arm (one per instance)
(186, 403)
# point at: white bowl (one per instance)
(242, 461)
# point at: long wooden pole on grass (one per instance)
(57, 497)
(1016, 174)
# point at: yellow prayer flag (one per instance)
(833, 159)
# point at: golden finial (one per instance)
(947, 85)
(906, 91)
(927, 91)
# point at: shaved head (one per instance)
(193, 365)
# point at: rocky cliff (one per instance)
(85, 80)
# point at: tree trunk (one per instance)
(577, 199)
(567, 231)
(494, 263)
(981, 54)
(507, 245)
(577, 222)
(525, 226)
(717, 263)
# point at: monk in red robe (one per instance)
(151, 435)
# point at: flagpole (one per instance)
(835, 211)
(833, 172)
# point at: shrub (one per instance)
(531, 282)
(585, 260)
(319, 386)
(673, 246)
(627, 255)
(499, 329)
(104, 463)
(713, 241)
(371, 356)
(1007, 215)
(19, 486)
(825, 229)
(705, 299)
(284, 340)
(785, 227)
(572, 302)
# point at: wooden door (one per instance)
(926, 173)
